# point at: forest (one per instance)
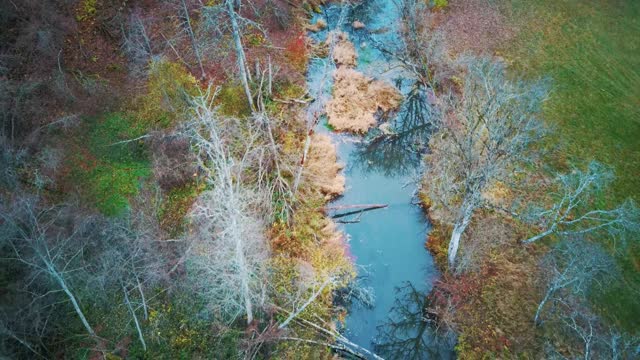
(319, 179)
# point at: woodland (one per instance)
(169, 171)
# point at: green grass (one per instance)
(591, 50)
(106, 172)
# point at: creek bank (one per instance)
(385, 245)
(323, 169)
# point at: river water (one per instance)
(387, 244)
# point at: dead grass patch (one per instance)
(344, 53)
(356, 100)
(323, 169)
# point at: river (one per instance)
(387, 244)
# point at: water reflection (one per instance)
(409, 332)
(396, 147)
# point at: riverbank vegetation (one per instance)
(163, 193)
(548, 242)
(160, 196)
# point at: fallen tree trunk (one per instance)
(358, 206)
(359, 209)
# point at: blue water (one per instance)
(387, 244)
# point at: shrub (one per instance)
(296, 52)
(440, 4)
(232, 101)
(168, 87)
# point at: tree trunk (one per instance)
(243, 271)
(536, 319)
(310, 300)
(550, 231)
(135, 319)
(244, 279)
(240, 53)
(60, 280)
(458, 230)
(192, 37)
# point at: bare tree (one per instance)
(573, 268)
(229, 252)
(619, 345)
(74, 258)
(481, 139)
(187, 26)
(216, 20)
(570, 213)
(240, 55)
(125, 259)
(49, 250)
(137, 43)
(580, 333)
(308, 285)
(420, 49)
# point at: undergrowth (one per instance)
(105, 165)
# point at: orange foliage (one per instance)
(296, 52)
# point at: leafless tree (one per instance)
(126, 259)
(50, 251)
(309, 284)
(570, 213)
(187, 27)
(216, 20)
(74, 258)
(137, 43)
(481, 139)
(619, 345)
(421, 47)
(573, 268)
(580, 333)
(228, 259)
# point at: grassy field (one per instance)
(591, 50)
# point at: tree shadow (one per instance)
(397, 147)
(411, 332)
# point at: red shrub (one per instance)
(296, 52)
